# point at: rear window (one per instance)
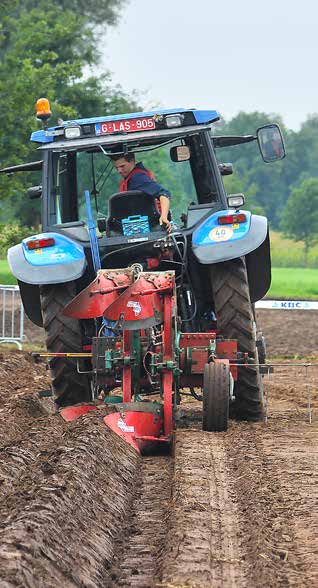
(75, 172)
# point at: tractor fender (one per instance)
(258, 265)
(30, 296)
(62, 261)
(213, 242)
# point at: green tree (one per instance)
(97, 13)
(235, 184)
(44, 53)
(265, 183)
(300, 217)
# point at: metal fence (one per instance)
(305, 385)
(12, 323)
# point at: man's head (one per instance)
(124, 164)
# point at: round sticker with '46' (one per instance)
(221, 234)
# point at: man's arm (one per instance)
(141, 181)
(165, 206)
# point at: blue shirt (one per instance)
(145, 184)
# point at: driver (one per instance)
(137, 177)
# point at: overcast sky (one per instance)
(229, 56)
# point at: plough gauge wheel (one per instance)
(216, 397)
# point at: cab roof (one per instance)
(92, 128)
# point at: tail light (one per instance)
(40, 243)
(232, 219)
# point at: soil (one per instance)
(289, 333)
(79, 507)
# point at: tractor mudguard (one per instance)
(62, 261)
(258, 264)
(30, 296)
(213, 242)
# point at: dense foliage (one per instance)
(45, 50)
(270, 185)
(11, 234)
(300, 216)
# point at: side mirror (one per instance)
(270, 143)
(34, 192)
(226, 169)
(180, 153)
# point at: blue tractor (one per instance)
(219, 251)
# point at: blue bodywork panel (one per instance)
(64, 251)
(62, 262)
(205, 116)
(214, 243)
(210, 232)
(47, 136)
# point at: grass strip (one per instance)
(294, 283)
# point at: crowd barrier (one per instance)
(12, 323)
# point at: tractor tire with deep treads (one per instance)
(235, 320)
(216, 397)
(63, 334)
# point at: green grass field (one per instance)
(291, 283)
(6, 276)
(286, 253)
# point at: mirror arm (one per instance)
(231, 140)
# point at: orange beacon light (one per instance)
(43, 110)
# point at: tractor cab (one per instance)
(156, 140)
(176, 145)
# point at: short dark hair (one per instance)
(127, 156)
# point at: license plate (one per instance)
(125, 126)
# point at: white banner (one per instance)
(287, 304)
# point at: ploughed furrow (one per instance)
(20, 406)
(293, 455)
(18, 456)
(278, 520)
(204, 544)
(140, 549)
(59, 521)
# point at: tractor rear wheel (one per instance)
(235, 320)
(216, 397)
(63, 334)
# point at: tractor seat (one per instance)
(133, 203)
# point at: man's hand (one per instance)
(164, 221)
(165, 205)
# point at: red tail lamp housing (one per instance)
(40, 243)
(232, 219)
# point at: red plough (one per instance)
(140, 348)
